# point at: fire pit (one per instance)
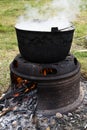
(58, 88)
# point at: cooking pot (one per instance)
(45, 46)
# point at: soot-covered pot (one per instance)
(45, 46)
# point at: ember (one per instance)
(16, 95)
(18, 101)
(47, 71)
(20, 92)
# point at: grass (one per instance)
(82, 57)
(79, 44)
(81, 24)
(9, 12)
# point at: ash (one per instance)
(19, 112)
(17, 115)
(18, 106)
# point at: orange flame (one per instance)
(19, 80)
(16, 94)
(33, 86)
(26, 81)
(44, 72)
(27, 90)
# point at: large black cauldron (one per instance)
(45, 47)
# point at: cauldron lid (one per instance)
(44, 26)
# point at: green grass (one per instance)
(9, 12)
(82, 57)
(81, 24)
(79, 44)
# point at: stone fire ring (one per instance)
(66, 109)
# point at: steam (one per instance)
(58, 13)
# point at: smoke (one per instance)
(57, 13)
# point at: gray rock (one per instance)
(59, 115)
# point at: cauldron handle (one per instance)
(55, 29)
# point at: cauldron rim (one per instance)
(67, 29)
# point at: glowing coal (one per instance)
(53, 14)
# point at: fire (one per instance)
(26, 81)
(33, 86)
(27, 90)
(16, 94)
(30, 88)
(23, 86)
(19, 80)
(46, 71)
